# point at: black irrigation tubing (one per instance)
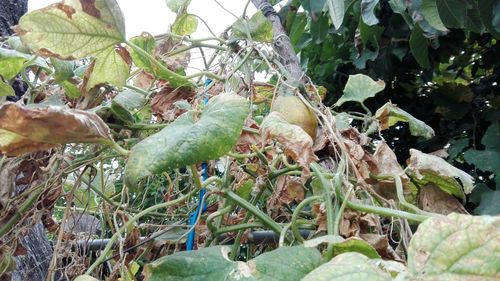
(84, 247)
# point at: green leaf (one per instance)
(260, 28)
(488, 159)
(71, 90)
(6, 90)
(63, 69)
(244, 190)
(174, 234)
(285, 263)
(125, 103)
(457, 147)
(66, 33)
(207, 264)
(418, 47)
(212, 263)
(399, 7)
(359, 87)
(177, 5)
(367, 11)
(431, 14)
(488, 13)
(185, 24)
(189, 139)
(489, 203)
(16, 44)
(496, 15)
(430, 168)
(342, 121)
(456, 247)
(319, 29)
(12, 62)
(336, 10)
(10, 66)
(298, 28)
(110, 66)
(313, 6)
(358, 245)
(40, 128)
(129, 99)
(452, 12)
(484, 160)
(460, 14)
(389, 114)
(147, 43)
(490, 137)
(348, 267)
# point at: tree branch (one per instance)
(281, 42)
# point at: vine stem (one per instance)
(327, 197)
(296, 213)
(238, 227)
(399, 192)
(170, 72)
(265, 219)
(132, 220)
(122, 151)
(153, 60)
(378, 210)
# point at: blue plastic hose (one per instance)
(193, 217)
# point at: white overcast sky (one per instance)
(154, 17)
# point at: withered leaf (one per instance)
(288, 190)
(387, 164)
(429, 168)
(163, 104)
(27, 129)
(381, 244)
(247, 139)
(297, 143)
(432, 199)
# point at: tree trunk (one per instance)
(34, 262)
(10, 13)
(281, 41)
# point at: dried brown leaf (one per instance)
(354, 135)
(26, 129)
(381, 244)
(163, 104)
(354, 223)
(143, 80)
(433, 199)
(297, 143)
(387, 164)
(364, 161)
(165, 45)
(288, 190)
(319, 212)
(247, 139)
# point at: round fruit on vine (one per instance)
(297, 113)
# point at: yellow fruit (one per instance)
(296, 112)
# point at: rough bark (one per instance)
(10, 12)
(281, 41)
(34, 264)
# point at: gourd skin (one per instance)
(297, 113)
